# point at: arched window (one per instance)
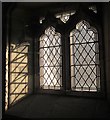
(66, 58)
(70, 61)
(84, 52)
(50, 60)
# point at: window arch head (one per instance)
(84, 33)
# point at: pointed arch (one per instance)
(50, 59)
(84, 53)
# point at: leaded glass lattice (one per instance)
(84, 58)
(50, 60)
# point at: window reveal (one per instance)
(17, 87)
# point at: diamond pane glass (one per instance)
(50, 60)
(84, 58)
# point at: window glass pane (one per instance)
(50, 60)
(84, 58)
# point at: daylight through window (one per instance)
(84, 52)
(50, 60)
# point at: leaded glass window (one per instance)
(50, 60)
(84, 54)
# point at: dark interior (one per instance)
(20, 23)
